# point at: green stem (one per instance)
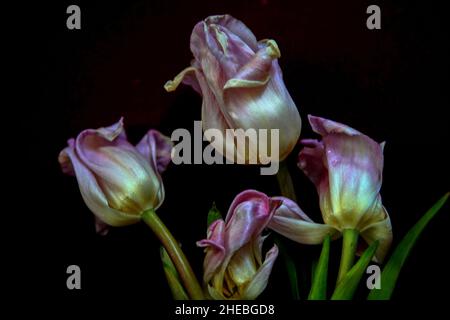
(285, 182)
(349, 242)
(176, 254)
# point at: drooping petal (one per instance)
(186, 76)
(92, 194)
(261, 278)
(290, 221)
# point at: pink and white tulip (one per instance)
(118, 181)
(346, 167)
(233, 266)
(241, 84)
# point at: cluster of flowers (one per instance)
(241, 84)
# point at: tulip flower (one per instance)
(233, 265)
(346, 167)
(118, 181)
(242, 86)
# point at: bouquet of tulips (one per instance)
(241, 84)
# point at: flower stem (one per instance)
(176, 254)
(285, 182)
(349, 242)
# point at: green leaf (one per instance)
(213, 215)
(172, 276)
(392, 269)
(320, 273)
(349, 283)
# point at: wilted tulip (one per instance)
(241, 84)
(346, 167)
(233, 266)
(118, 181)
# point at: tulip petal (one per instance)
(261, 278)
(119, 166)
(381, 231)
(290, 221)
(236, 27)
(346, 165)
(256, 72)
(247, 217)
(92, 193)
(263, 105)
(187, 76)
(215, 251)
(324, 127)
(65, 162)
(156, 148)
(355, 165)
(311, 161)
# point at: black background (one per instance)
(391, 84)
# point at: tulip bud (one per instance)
(117, 180)
(242, 86)
(233, 266)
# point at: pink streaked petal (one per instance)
(311, 161)
(237, 53)
(355, 165)
(93, 195)
(117, 163)
(89, 141)
(261, 278)
(235, 26)
(249, 218)
(249, 214)
(324, 126)
(215, 251)
(156, 148)
(244, 196)
(209, 57)
(254, 72)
